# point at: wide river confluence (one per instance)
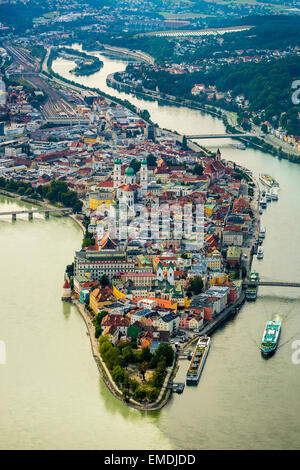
(51, 395)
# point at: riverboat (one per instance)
(263, 202)
(268, 180)
(270, 337)
(198, 361)
(260, 252)
(240, 146)
(251, 292)
(262, 233)
(269, 195)
(274, 194)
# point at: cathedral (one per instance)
(126, 187)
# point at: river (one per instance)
(51, 393)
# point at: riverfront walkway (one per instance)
(210, 327)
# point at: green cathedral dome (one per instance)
(129, 171)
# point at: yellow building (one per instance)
(100, 298)
(209, 209)
(97, 199)
(218, 279)
(214, 260)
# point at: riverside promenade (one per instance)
(210, 327)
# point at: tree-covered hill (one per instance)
(267, 86)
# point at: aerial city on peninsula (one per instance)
(149, 227)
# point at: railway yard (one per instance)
(60, 101)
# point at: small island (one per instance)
(85, 64)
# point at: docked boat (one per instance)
(260, 252)
(270, 337)
(262, 233)
(268, 180)
(263, 202)
(251, 292)
(275, 194)
(240, 146)
(269, 195)
(198, 361)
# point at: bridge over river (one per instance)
(217, 136)
(30, 212)
(272, 283)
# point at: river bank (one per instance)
(138, 55)
(261, 142)
(43, 204)
(225, 315)
(164, 395)
(51, 396)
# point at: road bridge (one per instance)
(272, 283)
(217, 136)
(30, 212)
(17, 142)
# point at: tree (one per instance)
(159, 374)
(117, 375)
(98, 331)
(143, 369)
(97, 323)
(135, 165)
(140, 394)
(133, 332)
(184, 142)
(198, 170)
(151, 160)
(70, 269)
(164, 353)
(152, 393)
(264, 128)
(133, 384)
(146, 355)
(196, 285)
(104, 281)
(127, 355)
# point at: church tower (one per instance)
(117, 173)
(218, 155)
(171, 271)
(159, 272)
(144, 175)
